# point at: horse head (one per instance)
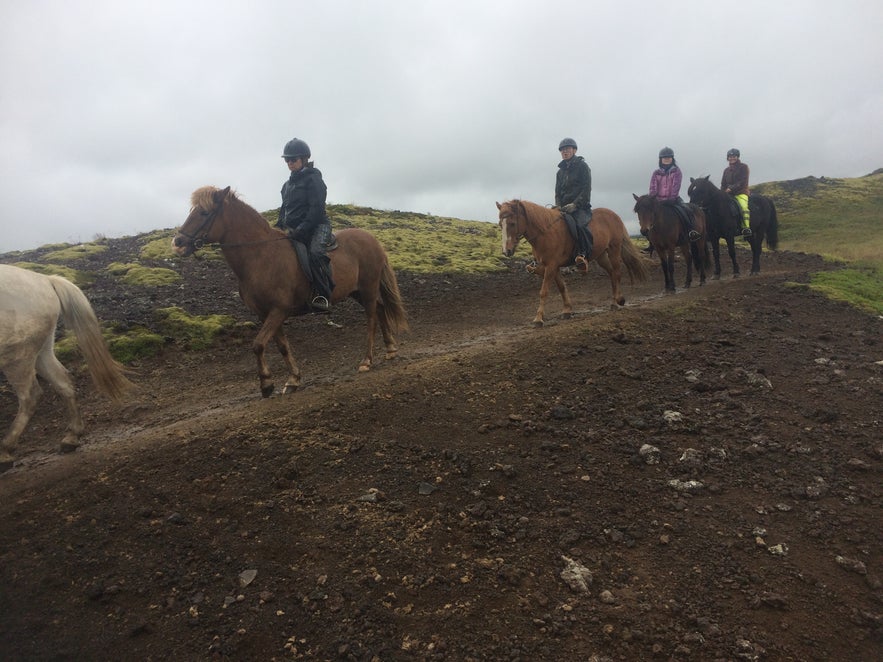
(512, 223)
(646, 207)
(207, 204)
(701, 190)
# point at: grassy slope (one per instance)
(839, 219)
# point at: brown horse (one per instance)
(272, 283)
(662, 226)
(552, 245)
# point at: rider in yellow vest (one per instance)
(735, 182)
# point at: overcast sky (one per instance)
(113, 111)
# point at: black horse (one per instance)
(723, 215)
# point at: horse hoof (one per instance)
(6, 464)
(68, 446)
(538, 324)
(566, 316)
(365, 367)
(621, 301)
(267, 391)
(391, 355)
(289, 388)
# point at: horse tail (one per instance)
(772, 233)
(392, 308)
(634, 263)
(107, 373)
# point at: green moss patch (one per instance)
(77, 252)
(136, 274)
(78, 278)
(193, 331)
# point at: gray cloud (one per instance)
(112, 113)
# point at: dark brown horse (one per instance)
(272, 283)
(664, 229)
(724, 219)
(546, 231)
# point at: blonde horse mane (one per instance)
(203, 197)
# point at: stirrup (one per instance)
(694, 235)
(746, 232)
(582, 264)
(531, 267)
(320, 304)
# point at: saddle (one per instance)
(684, 212)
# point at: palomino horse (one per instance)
(724, 216)
(30, 304)
(273, 285)
(662, 226)
(552, 245)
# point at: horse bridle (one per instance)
(197, 239)
(518, 213)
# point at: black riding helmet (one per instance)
(567, 142)
(733, 152)
(295, 148)
(666, 153)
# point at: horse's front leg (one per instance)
(716, 253)
(272, 324)
(548, 279)
(731, 250)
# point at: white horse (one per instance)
(30, 304)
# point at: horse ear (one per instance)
(499, 206)
(635, 197)
(692, 180)
(707, 177)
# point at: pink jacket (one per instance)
(666, 185)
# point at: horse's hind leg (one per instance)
(389, 340)
(611, 262)
(567, 311)
(23, 379)
(284, 347)
(370, 304)
(49, 368)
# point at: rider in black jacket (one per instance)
(573, 195)
(303, 217)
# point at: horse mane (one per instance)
(203, 197)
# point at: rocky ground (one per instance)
(693, 477)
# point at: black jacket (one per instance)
(303, 203)
(574, 183)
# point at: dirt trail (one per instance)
(695, 476)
